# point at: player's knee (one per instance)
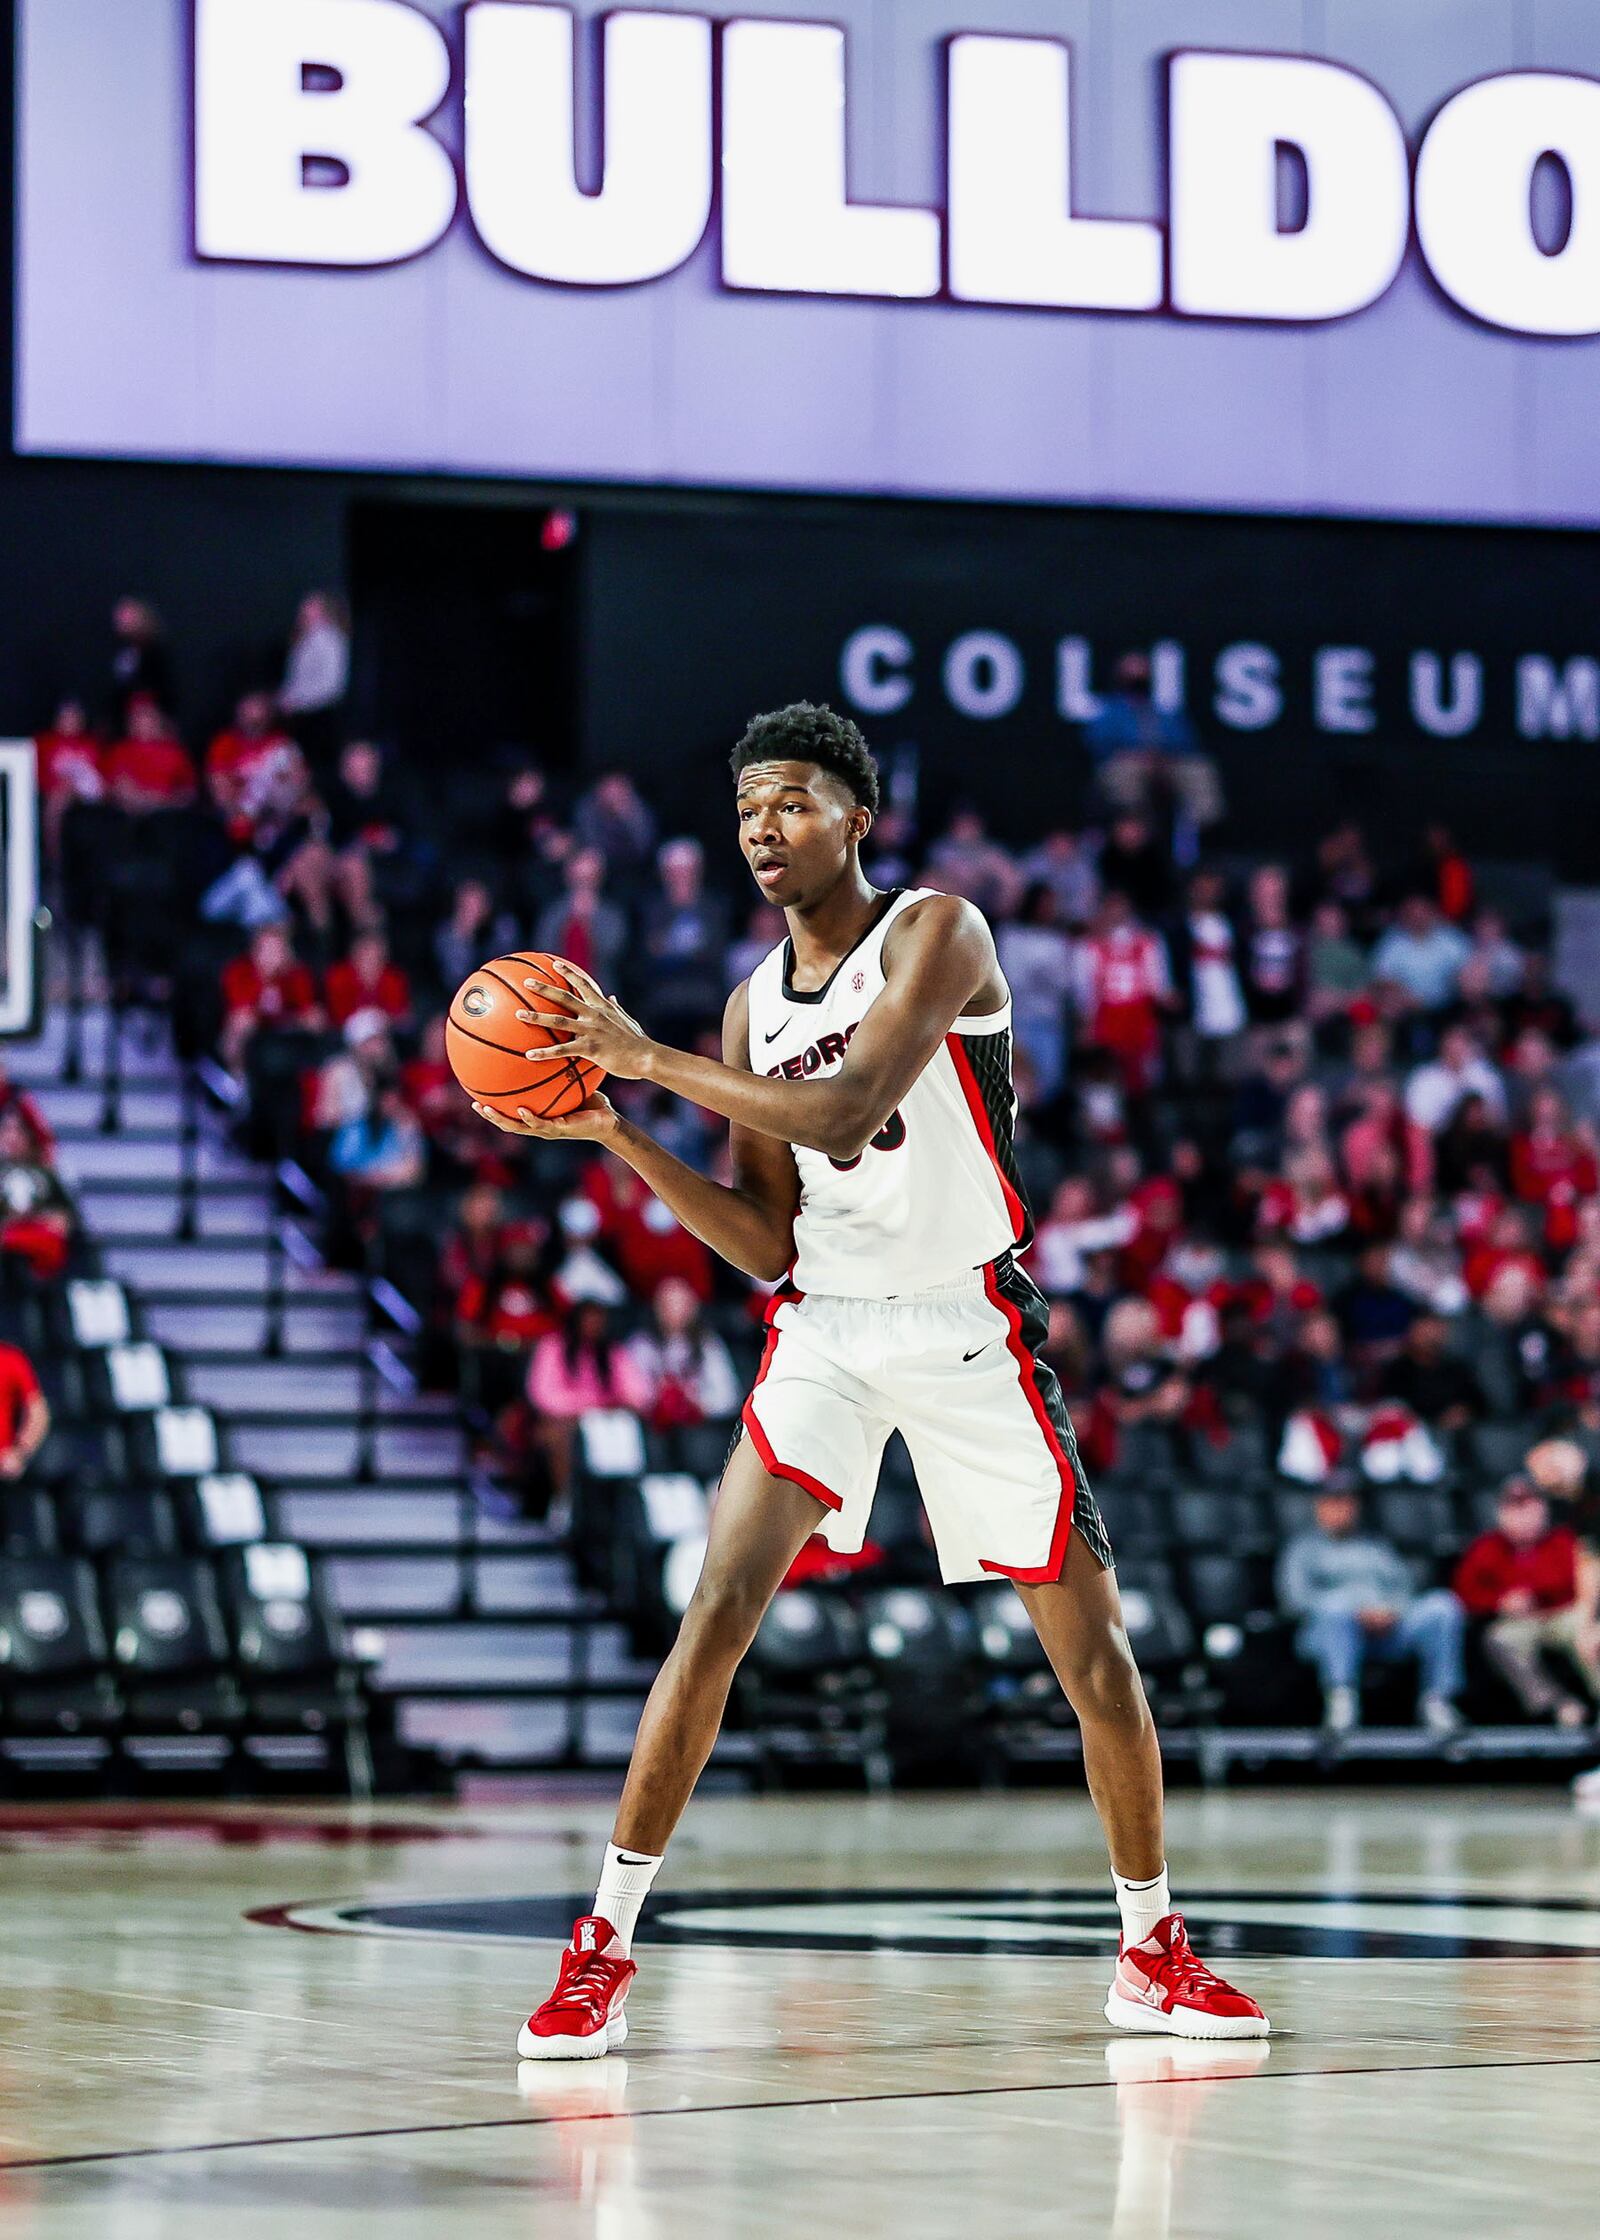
(723, 1614)
(1100, 1674)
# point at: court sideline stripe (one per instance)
(758, 2107)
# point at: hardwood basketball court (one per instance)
(860, 2016)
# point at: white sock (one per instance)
(625, 1881)
(1141, 1904)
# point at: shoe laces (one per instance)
(590, 1982)
(1182, 1967)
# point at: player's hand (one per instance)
(595, 1121)
(597, 1027)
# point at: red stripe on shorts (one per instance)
(762, 1444)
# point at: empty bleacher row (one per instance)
(151, 1624)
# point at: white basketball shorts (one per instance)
(955, 1372)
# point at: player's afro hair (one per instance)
(803, 732)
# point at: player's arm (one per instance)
(751, 1223)
(939, 957)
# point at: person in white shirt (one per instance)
(1460, 1070)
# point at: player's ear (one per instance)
(859, 822)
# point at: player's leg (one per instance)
(758, 1527)
(997, 1462)
(1078, 1619)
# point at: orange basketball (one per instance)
(487, 1044)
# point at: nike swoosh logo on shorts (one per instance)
(973, 1355)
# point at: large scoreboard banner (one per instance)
(1328, 255)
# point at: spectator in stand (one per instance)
(1134, 862)
(574, 1370)
(1553, 1165)
(1540, 1006)
(1419, 960)
(148, 769)
(35, 1211)
(1426, 1261)
(474, 932)
(685, 936)
(763, 930)
(471, 1250)
(582, 925)
(1446, 875)
(1431, 1380)
(1470, 1151)
(1375, 1313)
(613, 821)
(267, 987)
(1437, 1087)
(348, 1085)
(1205, 971)
(889, 855)
(41, 1136)
(1335, 965)
(1036, 958)
(1072, 1231)
(1123, 990)
(1353, 1600)
(685, 1371)
(1496, 965)
(380, 1149)
(455, 1135)
(1067, 868)
(239, 760)
(1274, 953)
(141, 668)
(508, 1301)
(1346, 874)
(967, 862)
(1142, 1385)
(1261, 1105)
(71, 769)
(24, 1412)
(1523, 1578)
(366, 829)
(649, 1242)
(1145, 754)
(316, 674)
(1306, 1203)
(368, 980)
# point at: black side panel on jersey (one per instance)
(1021, 1292)
(989, 1057)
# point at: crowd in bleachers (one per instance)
(1312, 1143)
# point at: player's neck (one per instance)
(829, 928)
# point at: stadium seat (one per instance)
(1133, 1518)
(1420, 1520)
(1158, 1625)
(54, 1676)
(298, 1675)
(113, 1522)
(1226, 1589)
(923, 1646)
(1208, 1518)
(171, 1645)
(27, 1523)
(807, 1690)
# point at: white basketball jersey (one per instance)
(936, 1193)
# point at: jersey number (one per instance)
(888, 1138)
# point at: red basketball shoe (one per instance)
(583, 2017)
(1161, 1985)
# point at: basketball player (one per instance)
(866, 1077)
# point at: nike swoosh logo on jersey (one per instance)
(973, 1355)
(775, 1033)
